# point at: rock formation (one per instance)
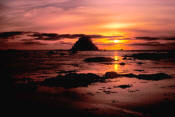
(84, 44)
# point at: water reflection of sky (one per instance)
(43, 65)
(100, 94)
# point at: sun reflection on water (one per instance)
(116, 66)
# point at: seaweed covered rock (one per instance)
(84, 44)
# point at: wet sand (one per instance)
(131, 90)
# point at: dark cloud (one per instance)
(169, 38)
(147, 44)
(7, 35)
(54, 36)
(33, 43)
(147, 38)
(155, 45)
(35, 38)
(43, 36)
(65, 43)
(169, 45)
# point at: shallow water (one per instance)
(100, 97)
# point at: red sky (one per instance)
(127, 18)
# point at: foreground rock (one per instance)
(158, 76)
(99, 59)
(84, 44)
(153, 56)
(155, 77)
(73, 80)
(123, 86)
(111, 75)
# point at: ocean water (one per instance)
(101, 98)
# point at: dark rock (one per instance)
(129, 75)
(154, 56)
(73, 80)
(139, 63)
(158, 76)
(122, 63)
(155, 77)
(111, 75)
(99, 59)
(140, 70)
(84, 44)
(124, 86)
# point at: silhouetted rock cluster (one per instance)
(72, 80)
(158, 76)
(84, 44)
(99, 59)
(153, 56)
(155, 77)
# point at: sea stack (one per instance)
(84, 44)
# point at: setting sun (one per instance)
(116, 41)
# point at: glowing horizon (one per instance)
(126, 18)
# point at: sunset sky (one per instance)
(123, 24)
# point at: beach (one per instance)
(60, 82)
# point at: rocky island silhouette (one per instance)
(84, 43)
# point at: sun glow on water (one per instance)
(116, 67)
